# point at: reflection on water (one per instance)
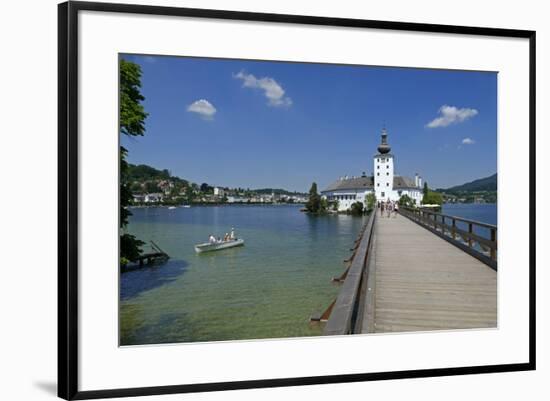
(134, 282)
(266, 289)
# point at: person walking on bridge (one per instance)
(382, 209)
(389, 208)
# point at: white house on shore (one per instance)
(147, 198)
(383, 182)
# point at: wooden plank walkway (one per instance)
(422, 282)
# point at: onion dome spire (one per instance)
(384, 148)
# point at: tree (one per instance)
(189, 193)
(314, 202)
(132, 113)
(131, 123)
(370, 200)
(151, 187)
(205, 188)
(356, 208)
(136, 187)
(425, 190)
(323, 205)
(432, 198)
(406, 200)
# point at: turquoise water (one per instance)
(267, 289)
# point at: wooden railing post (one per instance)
(466, 239)
(454, 228)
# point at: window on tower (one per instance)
(387, 184)
(387, 173)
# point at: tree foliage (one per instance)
(406, 200)
(370, 201)
(132, 113)
(206, 188)
(151, 187)
(313, 204)
(356, 208)
(323, 205)
(143, 172)
(481, 184)
(132, 123)
(432, 198)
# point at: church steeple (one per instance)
(384, 148)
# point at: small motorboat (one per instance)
(171, 208)
(216, 246)
(186, 206)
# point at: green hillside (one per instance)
(482, 184)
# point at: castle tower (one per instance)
(383, 169)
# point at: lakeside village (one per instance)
(355, 195)
(152, 187)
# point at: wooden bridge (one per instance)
(417, 271)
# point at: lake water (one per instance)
(267, 289)
(481, 212)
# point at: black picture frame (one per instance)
(68, 197)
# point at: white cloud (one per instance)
(451, 115)
(273, 91)
(468, 141)
(203, 108)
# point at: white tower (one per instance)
(383, 170)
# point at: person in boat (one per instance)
(211, 239)
(219, 240)
(232, 235)
(226, 237)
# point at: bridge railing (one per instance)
(347, 310)
(476, 238)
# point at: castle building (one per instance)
(383, 182)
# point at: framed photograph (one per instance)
(254, 200)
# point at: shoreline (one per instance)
(216, 204)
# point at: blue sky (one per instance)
(263, 124)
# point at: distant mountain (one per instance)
(482, 184)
